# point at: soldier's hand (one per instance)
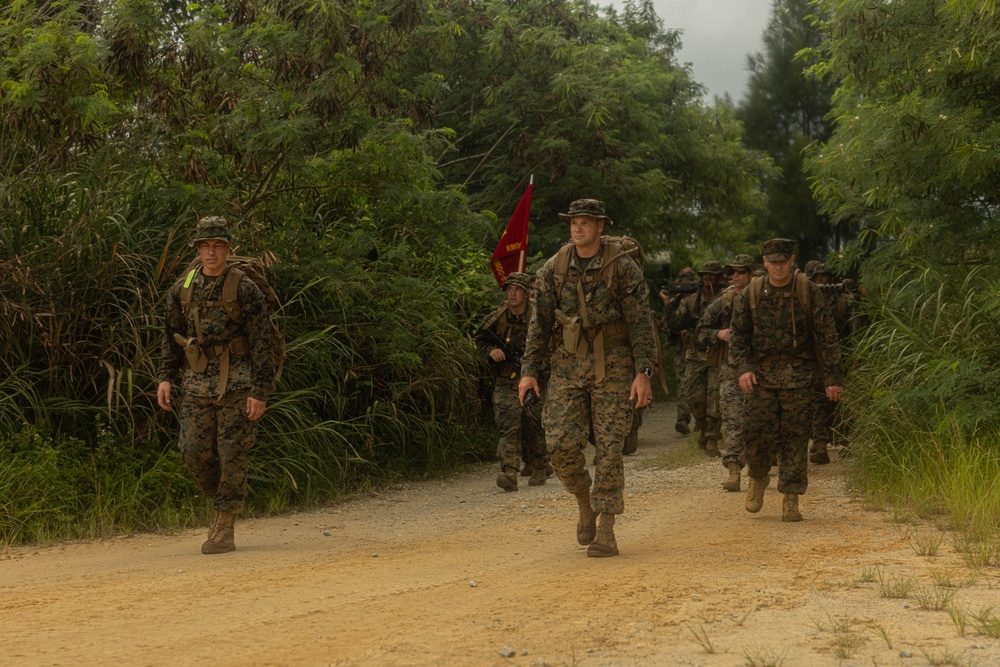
(163, 396)
(497, 355)
(747, 381)
(524, 384)
(255, 408)
(642, 391)
(834, 393)
(664, 296)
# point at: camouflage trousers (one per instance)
(214, 443)
(779, 419)
(521, 434)
(567, 422)
(683, 404)
(731, 402)
(824, 416)
(701, 387)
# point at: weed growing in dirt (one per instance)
(871, 574)
(944, 580)
(926, 545)
(685, 455)
(894, 587)
(882, 631)
(987, 623)
(946, 658)
(960, 617)
(764, 657)
(846, 644)
(977, 552)
(701, 637)
(933, 599)
(744, 617)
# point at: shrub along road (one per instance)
(455, 572)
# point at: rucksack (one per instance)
(801, 290)
(615, 247)
(253, 268)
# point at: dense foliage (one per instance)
(914, 158)
(370, 151)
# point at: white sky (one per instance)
(717, 37)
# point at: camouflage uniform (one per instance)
(701, 380)
(574, 378)
(520, 428)
(777, 344)
(215, 433)
(731, 398)
(686, 276)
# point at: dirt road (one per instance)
(454, 572)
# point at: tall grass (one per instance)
(922, 397)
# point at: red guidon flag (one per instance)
(512, 251)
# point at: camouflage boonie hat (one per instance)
(711, 266)
(522, 280)
(741, 261)
(687, 273)
(212, 227)
(592, 207)
(810, 269)
(778, 250)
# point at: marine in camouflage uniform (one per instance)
(224, 392)
(589, 289)
(778, 349)
(520, 427)
(687, 283)
(712, 335)
(701, 379)
(826, 416)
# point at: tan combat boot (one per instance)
(755, 494)
(507, 481)
(790, 508)
(537, 477)
(733, 483)
(604, 545)
(712, 448)
(819, 454)
(586, 527)
(220, 534)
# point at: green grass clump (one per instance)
(686, 454)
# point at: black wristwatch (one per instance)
(647, 371)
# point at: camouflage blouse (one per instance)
(253, 373)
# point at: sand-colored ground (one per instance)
(452, 572)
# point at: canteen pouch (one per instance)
(197, 359)
(572, 332)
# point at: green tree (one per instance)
(784, 112)
(592, 105)
(913, 154)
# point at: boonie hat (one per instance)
(686, 272)
(711, 266)
(522, 280)
(212, 227)
(778, 250)
(592, 207)
(822, 270)
(810, 269)
(741, 261)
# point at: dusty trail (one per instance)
(385, 580)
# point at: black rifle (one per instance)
(511, 352)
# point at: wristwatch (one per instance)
(647, 371)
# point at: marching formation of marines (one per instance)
(573, 349)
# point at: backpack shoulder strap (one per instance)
(560, 269)
(230, 288)
(187, 290)
(754, 290)
(802, 289)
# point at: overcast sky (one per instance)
(717, 37)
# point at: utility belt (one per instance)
(767, 359)
(198, 355)
(580, 340)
